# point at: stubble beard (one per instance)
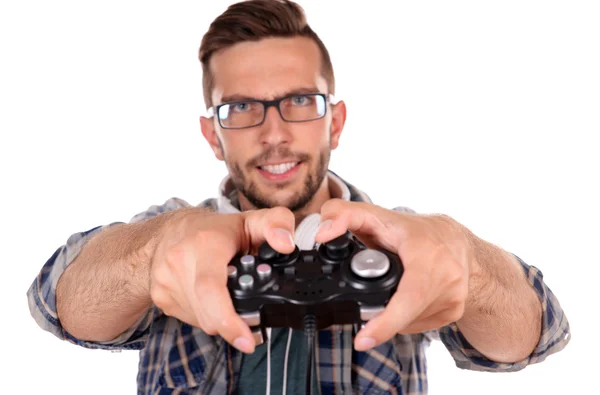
(312, 182)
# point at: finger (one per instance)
(441, 312)
(276, 226)
(429, 322)
(218, 316)
(179, 309)
(166, 292)
(405, 306)
(187, 276)
(366, 221)
(205, 287)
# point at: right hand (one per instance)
(189, 267)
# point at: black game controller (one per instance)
(341, 282)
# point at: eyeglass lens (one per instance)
(297, 108)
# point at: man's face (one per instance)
(277, 163)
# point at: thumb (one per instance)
(274, 225)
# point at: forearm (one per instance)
(502, 317)
(105, 290)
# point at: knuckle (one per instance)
(455, 276)
(279, 210)
(160, 298)
(455, 309)
(174, 257)
(457, 301)
(209, 329)
(280, 213)
(332, 205)
(169, 311)
(454, 314)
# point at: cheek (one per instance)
(235, 150)
(314, 138)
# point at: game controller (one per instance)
(340, 282)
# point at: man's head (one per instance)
(265, 50)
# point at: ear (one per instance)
(210, 134)
(338, 119)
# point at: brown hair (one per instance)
(253, 20)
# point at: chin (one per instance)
(283, 201)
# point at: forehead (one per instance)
(267, 69)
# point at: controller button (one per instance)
(246, 281)
(247, 260)
(290, 271)
(367, 313)
(252, 319)
(327, 269)
(370, 264)
(264, 271)
(266, 253)
(338, 247)
(231, 271)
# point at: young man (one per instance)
(158, 283)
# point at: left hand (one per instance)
(437, 260)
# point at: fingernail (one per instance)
(284, 235)
(365, 343)
(325, 226)
(243, 344)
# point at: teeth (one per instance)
(279, 169)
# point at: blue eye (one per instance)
(299, 100)
(241, 107)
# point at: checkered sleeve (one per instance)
(41, 294)
(554, 337)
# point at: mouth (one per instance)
(280, 171)
(278, 168)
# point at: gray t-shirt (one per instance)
(253, 374)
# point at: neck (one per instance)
(322, 195)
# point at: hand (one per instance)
(436, 257)
(189, 267)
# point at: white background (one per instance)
(486, 111)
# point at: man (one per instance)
(158, 283)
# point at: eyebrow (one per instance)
(238, 97)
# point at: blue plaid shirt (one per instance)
(176, 358)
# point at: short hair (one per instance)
(253, 20)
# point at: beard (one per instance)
(312, 182)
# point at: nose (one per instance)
(275, 131)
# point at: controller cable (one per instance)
(310, 328)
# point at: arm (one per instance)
(106, 289)
(503, 313)
(461, 287)
(42, 294)
(116, 280)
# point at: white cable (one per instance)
(287, 352)
(269, 361)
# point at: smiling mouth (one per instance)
(279, 168)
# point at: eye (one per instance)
(240, 107)
(300, 100)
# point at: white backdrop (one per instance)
(486, 111)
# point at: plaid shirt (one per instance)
(176, 358)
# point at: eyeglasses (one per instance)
(292, 108)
